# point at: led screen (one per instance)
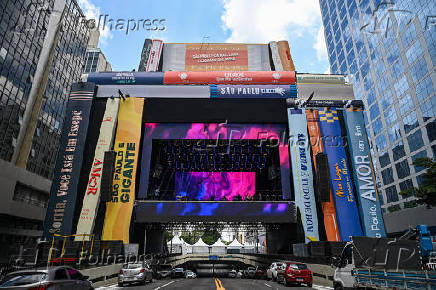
(215, 185)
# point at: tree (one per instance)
(426, 193)
(210, 236)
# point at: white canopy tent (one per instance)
(177, 245)
(219, 247)
(200, 247)
(235, 247)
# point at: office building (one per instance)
(95, 60)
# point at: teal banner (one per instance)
(363, 173)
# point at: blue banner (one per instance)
(340, 179)
(301, 162)
(63, 194)
(363, 173)
(126, 78)
(253, 91)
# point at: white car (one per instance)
(271, 273)
(191, 275)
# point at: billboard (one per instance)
(244, 211)
(340, 175)
(277, 62)
(285, 55)
(91, 198)
(253, 91)
(215, 185)
(363, 172)
(126, 78)
(215, 57)
(328, 208)
(230, 77)
(63, 193)
(145, 54)
(154, 56)
(119, 209)
(302, 173)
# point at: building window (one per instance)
(431, 131)
(377, 126)
(381, 142)
(419, 70)
(401, 86)
(421, 154)
(391, 194)
(386, 99)
(409, 35)
(403, 169)
(29, 195)
(398, 151)
(410, 122)
(394, 133)
(428, 109)
(374, 111)
(397, 70)
(405, 185)
(384, 159)
(388, 176)
(390, 116)
(424, 88)
(406, 103)
(414, 52)
(415, 141)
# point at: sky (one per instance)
(219, 21)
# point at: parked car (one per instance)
(240, 274)
(271, 273)
(190, 275)
(295, 273)
(163, 271)
(135, 273)
(61, 277)
(260, 273)
(233, 274)
(250, 273)
(178, 273)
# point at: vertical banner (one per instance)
(119, 210)
(302, 173)
(340, 179)
(91, 198)
(63, 194)
(145, 54)
(328, 208)
(275, 56)
(363, 173)
(285, 56)
(154, 56)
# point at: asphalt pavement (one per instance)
(209, 284)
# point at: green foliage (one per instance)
(393, 208)
(210, 236)
(168, 236)
(191, 237)
(426, 193)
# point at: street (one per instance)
(210, 284)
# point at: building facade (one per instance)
(23, 27)
(95, 60)
(388, 51)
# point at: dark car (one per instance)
(260, 273)
(250, 273)
(135, 273)
(61, 277)
(178, 273)
(295, 273)
(163, 271)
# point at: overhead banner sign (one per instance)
(253, 91)
(328, 208)
(126, 78)
(299, 149)
(233, 77)
(119, 210)
(363, 172)
(340, 178)
(91, 199)
(215, 57)
(63, 194)
(154, 56)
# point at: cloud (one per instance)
(320, 45)
(266, 20)
(93, 12)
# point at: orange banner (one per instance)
(119, 210)
(285, 55)
(231, 77)
(328, 208)
(216, 57)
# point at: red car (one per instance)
(295, 273)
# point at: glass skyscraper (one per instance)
(388, 51)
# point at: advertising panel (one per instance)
(215, 57)
(63, 194)
(328, 208)
(231, 77)
(277, 62)
(302, 173)
(91, 198)
(285, 55)
(154, 57)
(363, 172)
(119, 210)
(126, 78)
(145, 54)
(340, 178)
(253, 91)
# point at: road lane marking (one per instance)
(269, 286)
(320, 287)
(160, 287)
(219, 284)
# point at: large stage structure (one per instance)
(225, 138)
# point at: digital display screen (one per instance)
(215, 185)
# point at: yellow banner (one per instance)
(119, 210)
